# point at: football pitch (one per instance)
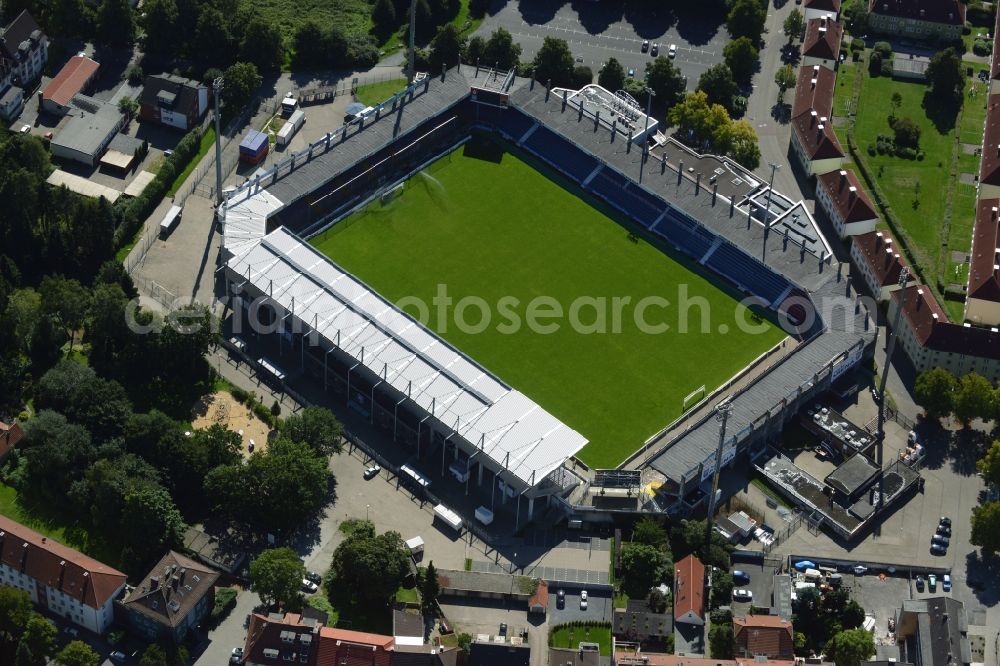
(509, 242)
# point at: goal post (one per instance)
(693, 397)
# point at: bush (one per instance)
(857, 45)
(276, 409)
(886, 67)
(980, 16)
(225, 602)
(884, 49)
(982, 47)
(906, 153)
(875, 64)
(263, 413)
(921, 155)
(240, 395)
(871, 149)
(135, 75)
(582, 76)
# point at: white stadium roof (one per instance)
(502, 423)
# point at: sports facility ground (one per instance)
(488, 225)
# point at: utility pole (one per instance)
(904, 276)
(767, 212)
(411, 64)
(217, 91)
(722, 411)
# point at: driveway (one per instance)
(230, 633)
(600, 606)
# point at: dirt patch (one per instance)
(967, 178)
(222, 408)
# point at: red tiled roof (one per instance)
(881, 255)
(540, 599)
(934, 11)
(689, 587)
(70, 80)
(172, 589)
(989, 171)
(57, 566)
(848, 196)
(642, 658)
(822, 39)
(340, 647)
(265, 633)
(823, 5)
(764, 635)
(940, 334)
(984, 278)
(817, 137)
(995, 69)
(10, 435)
(814, 90)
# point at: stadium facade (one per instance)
(429, 395)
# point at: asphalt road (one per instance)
(599, 31)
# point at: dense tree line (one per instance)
(821, 617)
(942, 394)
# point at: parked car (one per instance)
(118, 657)
(25, 129)
(860, 570)
(645, 45)
(919, 581)
(314, 577)
(655, 50)
(503, 629)
(940, 539)
(237, 655)
(560, 599)
(72, 631)
(631, 72)
(946, 582)
(583, 600)
(945, 520)
(938, 549)
(371, 472)
(741, 577)
(944, 530)
(672, 51)
(309, 586)
(932, 583)
(742, 595)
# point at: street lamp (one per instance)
(367, 509)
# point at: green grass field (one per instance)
(567, 636)
(495, 229)
(376, 93)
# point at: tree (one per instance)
(157, 654)
(446, 48)
(554, 62)
(784, 78)
(989, 465)
(368, 567)
(856, 15)
(77, 653)
(212, 40)
(152, 521)
(722, 588)
(907, 133)
(851, 647)
(896, 101)
(945, 73)
(649, 531)
(741, 56)
(160, 26)
(612, 75)
(276, 575)
(934, 390)
(15, 612)
(666, 82)
(794, 24)
(475, 49)
(39, 639)
(656, 600)
(263, 45)
(688, 536)
(502, 52)
(430, 589)
(241, 80)
(582, 76)
(718, 83)
(746, 19)
(311, 46)
(973, 398)
(55, 453)
(128, 107)
(643, 566)
(699, 122)
(67, 300)
(115, 24)
(384, 17)
(986, 527)
(721, 640)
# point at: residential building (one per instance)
(173, 101)
(10, 435)
(821, 45)
(982, 305)
(814, 9)
(689, 591)
(91, 127)
(989, 168)
(11, 103)
(566, 657)
(917, 19)
(931, 341)
(539, 601)
(484, 652)
(628, 655)
(813, 141)
(844, 200)
(24, 50)
(877, 260)
(766, 635)
(933, 632)
(58, 579)
(638, 622)
(73, 79)
(290, 636)
(171, 599)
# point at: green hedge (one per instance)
(135, 211)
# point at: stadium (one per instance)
(320, 250)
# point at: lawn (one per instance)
(922, 192)
(497, 229)
(207, 143)
(570, 636)
(376, 93)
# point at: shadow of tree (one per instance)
(941, 110)
(782, 112)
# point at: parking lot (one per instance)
(600, 605)
(761, 584)
(599, 31)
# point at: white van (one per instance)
(812, 575)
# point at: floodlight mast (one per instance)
(722, 411)
(411, 66)
(217, 91)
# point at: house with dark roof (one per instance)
(279, 638)
(982, 305)
(933, 632)
(10, 435)
(814, 9)
(627, 655)
(766, 635)
(844, 200)
(637, 621)
(484, 652)
(917, 19)
(74, 78)
(565, 657)
(173, 101)
(24, 50)
(821, 45)
(171, 599)
(876, 258)
(813, 141)
(689, 591)
(58, 579)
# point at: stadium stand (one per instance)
(561, 154)
(747, 273)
